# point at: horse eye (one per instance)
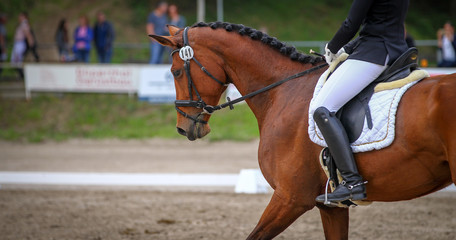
(177, 73)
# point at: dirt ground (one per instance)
(43, 212)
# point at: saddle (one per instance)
(356, 111)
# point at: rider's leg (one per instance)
(347, 81)
(334, 133)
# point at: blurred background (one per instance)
(305, 24)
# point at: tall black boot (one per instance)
(352, 187)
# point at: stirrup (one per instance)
(326, 193)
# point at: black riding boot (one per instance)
(352, 186)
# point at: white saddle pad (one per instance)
(383, 106)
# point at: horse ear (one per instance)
(172, 29)
(164, 40)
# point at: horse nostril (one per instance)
(181, 131)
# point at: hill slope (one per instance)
(288, 20)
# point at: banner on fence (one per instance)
(81, 78)
(152, 83)
(156, 84)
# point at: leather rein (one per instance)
(186, 53)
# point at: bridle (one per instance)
(186, 53)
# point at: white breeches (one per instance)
(349, 79)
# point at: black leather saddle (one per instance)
(356, 111)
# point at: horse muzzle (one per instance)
(194, 130)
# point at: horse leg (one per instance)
(278, 215)
(335, 222)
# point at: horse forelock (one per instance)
(257, 35)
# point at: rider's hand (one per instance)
(329, 56)
(340, 52)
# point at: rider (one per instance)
(380, 42)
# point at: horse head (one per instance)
(199, 83)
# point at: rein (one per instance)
(186, 53)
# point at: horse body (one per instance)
(417, 163)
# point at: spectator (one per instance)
(156, 24)
(103, 38)
(31, 46)
(447, 44)
(62, 40)
(2, 38)
(3, 56)
(82, 37)
(21, 36)
(176, 19)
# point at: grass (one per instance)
(99, 116)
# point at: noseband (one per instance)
(186, 53)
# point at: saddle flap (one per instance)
(353, 113)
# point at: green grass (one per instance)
(99, 116)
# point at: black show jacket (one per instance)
(382, 31)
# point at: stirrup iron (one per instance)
(326, 193)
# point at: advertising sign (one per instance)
(81, 78)
(157, 84)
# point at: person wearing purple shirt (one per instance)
(83, 35)
(156, 25)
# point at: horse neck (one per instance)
(251, 65)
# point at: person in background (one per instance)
(21, 36)
(176, 19)
(62, 40)
(83, 35)
(3, 51)
(103, 38)
(447, 44)
(156, 24)
(31, 46)
(3, 56)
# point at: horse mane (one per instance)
(272, 42)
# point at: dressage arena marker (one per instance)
(249, 181)
(121, 179)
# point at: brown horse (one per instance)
(421, 160)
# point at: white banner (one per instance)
(157, 84)
(81, 78)
(153, 83)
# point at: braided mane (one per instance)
(254, 34)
